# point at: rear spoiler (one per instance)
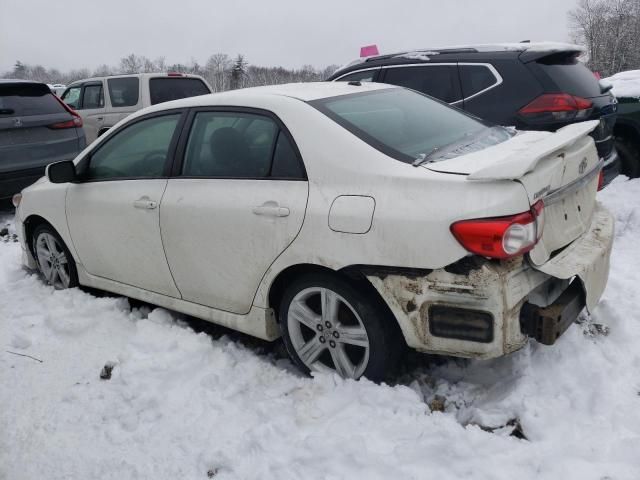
(533, 54)
(511, 164)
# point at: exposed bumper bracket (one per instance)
(546, 324)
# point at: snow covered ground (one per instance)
(181, 404)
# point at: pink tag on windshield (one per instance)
(368, 51)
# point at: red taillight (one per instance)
(76, 122)
(501, 237)
(558, 107)
(175, 74)
(601, 180)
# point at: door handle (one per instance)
(145, 203)
(271, 209)
(100, 118)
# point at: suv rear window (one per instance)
(175, 88)
(570, 75)
(409, 126)
(28, 99)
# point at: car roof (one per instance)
(307, 91)
(136, 75)
(449, 53)
(17, 80)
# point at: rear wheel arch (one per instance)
(352, 273)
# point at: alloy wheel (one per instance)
(327, 333)
(53, 261)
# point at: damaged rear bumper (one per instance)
(474, 307)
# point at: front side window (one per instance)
(93, 97)
(71, 97)
(409, 126)
(438, 81)
(138, 151)
(364, 76)
(475, 79)
(175, 88)
(235, 145)
(124, 92)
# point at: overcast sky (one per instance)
(268, 32)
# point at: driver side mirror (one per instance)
(61, 172)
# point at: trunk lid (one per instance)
(559, 168)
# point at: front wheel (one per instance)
(54, 260)
(330, 326)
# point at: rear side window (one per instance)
(174, 88)
(124, 92)
(438, 81)
(26, 100)
(365, 76)
(570, 75)
(239, 145)
(475, 79)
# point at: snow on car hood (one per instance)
(516, 157)
(625, 84)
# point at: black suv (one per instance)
(525, 85)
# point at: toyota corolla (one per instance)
(353, 220)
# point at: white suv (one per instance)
(104, 101)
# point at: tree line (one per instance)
(610, 32)
(220, 70)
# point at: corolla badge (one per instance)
(17, 122)
(583, 166)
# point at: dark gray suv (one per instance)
(36, 129)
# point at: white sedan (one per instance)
(352, 219)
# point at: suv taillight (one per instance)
(501, 237)
(76, 122)
(557, 107)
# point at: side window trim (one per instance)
(493, 71)
(376, 74)
(383, 74)
(84, 162)
(181, 147)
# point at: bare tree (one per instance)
(610, 30)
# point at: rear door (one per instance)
(237, 202)
(123, 98)
(34, 128)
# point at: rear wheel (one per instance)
(629, 152)
(328, 326)
(54, 260)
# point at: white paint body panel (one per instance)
(224, 258)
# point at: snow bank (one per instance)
(182, 405)
(625, 84)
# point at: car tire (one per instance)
(329, 325)
(53, 258)
(629, 152)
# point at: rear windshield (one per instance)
(25, 100)
(175, 88)
(570, 75)
(409, 126)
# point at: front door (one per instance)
(92, 109)
(113, 213)
(237, 203)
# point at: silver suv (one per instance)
(104, 101)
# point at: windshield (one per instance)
(409, 126)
